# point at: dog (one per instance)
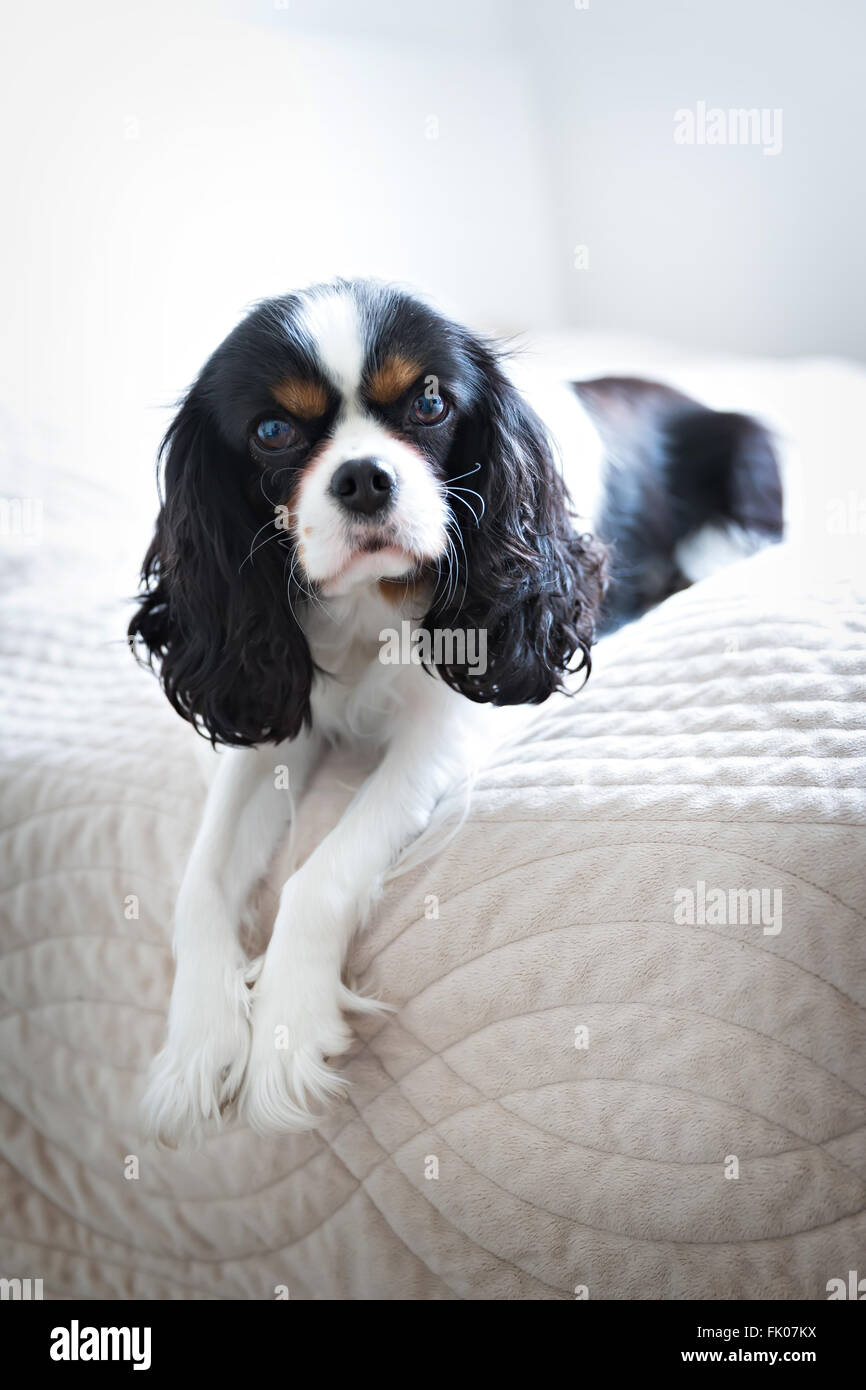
(349, 461)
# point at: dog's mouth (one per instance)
(377, 557)
(384, 539)
(373, 544)
(376, 550)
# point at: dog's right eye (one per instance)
(276, 436)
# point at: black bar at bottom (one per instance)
(85, 1338)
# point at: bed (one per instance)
(629, 1053)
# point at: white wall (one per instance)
(718, 247)
(173, 161)
(166, 163)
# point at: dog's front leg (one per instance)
(200, 1068)
(299, 997)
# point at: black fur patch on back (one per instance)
(672, 467)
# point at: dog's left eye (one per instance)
(276, 435)
(429, 410)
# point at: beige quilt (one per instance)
(630, 1054)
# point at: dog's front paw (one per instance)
(199, 1072)
(297, 1024)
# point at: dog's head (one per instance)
(345, 436)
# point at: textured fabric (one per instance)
(558, 1165)
(481, 1152)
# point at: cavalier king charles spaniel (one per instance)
(350, 462)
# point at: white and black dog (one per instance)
(348, 460)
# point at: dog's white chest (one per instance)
(355, 693)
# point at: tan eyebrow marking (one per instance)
(306, 399)
(392, 378)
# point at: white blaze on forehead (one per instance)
(332, 322)
(331, 544)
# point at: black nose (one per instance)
(364, 486)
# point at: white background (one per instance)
(165, 164)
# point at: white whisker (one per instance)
(471, 508)
(476, 468)
(254, 547)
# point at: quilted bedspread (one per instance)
(629, 1056)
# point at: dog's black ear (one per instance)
(216, 614)
(520, 570)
